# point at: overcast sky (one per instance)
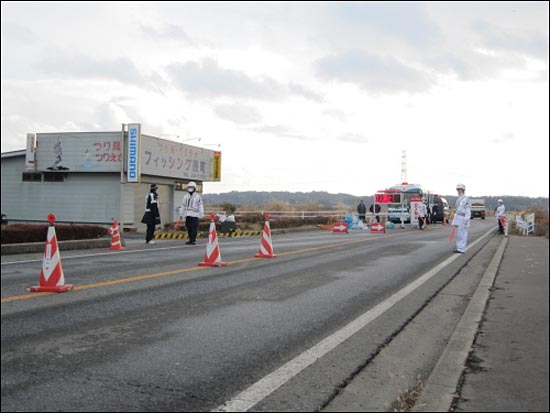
(299, 96)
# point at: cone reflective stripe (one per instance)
(212, 257)
(52, 279)
(115, 239)
(266, 246)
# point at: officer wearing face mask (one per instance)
(461, 220)
(192, 210)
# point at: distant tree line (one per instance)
(325, 200)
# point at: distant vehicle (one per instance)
(443, 209)
(478, 208)
(406, 191)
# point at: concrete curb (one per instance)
(441, 387)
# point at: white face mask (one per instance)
(191, 190)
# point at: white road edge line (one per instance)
(268, 384)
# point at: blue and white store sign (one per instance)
(134, 138)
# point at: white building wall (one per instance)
(81, 197)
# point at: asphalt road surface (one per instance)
(147, 329)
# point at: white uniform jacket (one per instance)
(501, 210)
(191, 205)
(463, 212)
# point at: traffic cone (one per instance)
(212, 256)
(266, 246)
(52, 279)
(115, 239)
(504, 224)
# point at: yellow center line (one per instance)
(184, 270)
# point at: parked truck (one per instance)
(478, 208)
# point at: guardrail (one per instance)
(284, 214)
(334, 215)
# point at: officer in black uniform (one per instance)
(152, 215)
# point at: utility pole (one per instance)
(404, 166)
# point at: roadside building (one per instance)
(95, 177)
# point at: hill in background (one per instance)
(325, 200)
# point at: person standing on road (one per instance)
(362, 210)
(152, 215)
(500, 214)
(461, 220)
(192, 210)
(435, 211)
(375, 209)
(421, 215)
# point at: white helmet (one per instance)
(461, 186)
(192, 185)
(500, 201)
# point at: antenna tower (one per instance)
(404, 166)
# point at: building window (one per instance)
(54, 177)
(32, 177)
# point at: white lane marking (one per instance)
(268, 384)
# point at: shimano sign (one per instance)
(134, 136)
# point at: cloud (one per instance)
(305, 92)
(407, 21)
(121, 69)
(167, 32)
(281, 132)
(208, 79)
(525, 42)
(505, 138)
(237, 113)
(473, 64)
(16, 32)
(372, 72)
(353, 138)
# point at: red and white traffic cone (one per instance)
(504, 224)
(212, 257)
(266, 246)
(115, 239)
(52, 279)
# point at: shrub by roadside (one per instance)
(19, 233)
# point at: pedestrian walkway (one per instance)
(508, 368)
(504, 367)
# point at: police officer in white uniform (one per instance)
(461, 220)
(501, 211)
(192, 210)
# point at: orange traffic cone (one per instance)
(266, 246)
(212, 256)
(52, 279)
(504, 224)
(115, 239)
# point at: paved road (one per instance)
(147, 329)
